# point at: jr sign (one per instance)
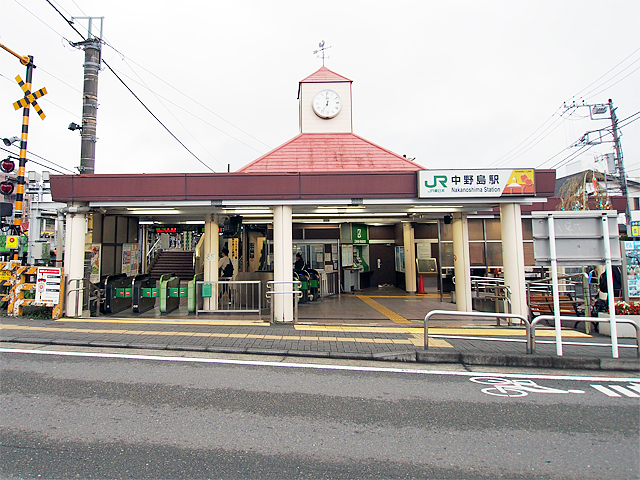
(475, 183)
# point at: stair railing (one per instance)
(153, 251)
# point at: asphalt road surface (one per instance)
(96, 414)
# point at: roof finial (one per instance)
(320, 52)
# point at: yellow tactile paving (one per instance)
(390, 314)
(165, 322)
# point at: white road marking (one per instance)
(616, 390)
(624, 391)
(313, 366)
(606, 391)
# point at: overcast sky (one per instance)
(453, 84)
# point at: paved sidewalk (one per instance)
(481, 343)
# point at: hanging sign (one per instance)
(475, 183)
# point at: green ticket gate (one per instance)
(144, 293)
(170, 293)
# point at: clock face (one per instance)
(327, 104)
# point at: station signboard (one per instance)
(476, 183)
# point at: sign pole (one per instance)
(610, 292)
(554, 280)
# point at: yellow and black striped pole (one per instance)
(18, 210)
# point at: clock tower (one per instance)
(325, 103)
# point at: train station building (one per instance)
(360, 214)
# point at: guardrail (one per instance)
(493, 289)
(296, 293)
(540, 318)
(476, 314)
(240, 296)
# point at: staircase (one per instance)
(179, 262)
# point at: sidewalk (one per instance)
(360, 339)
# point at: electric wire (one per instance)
(197, 102)
(132, 92)
(517, 151)
(609, 86)
(45, 166)
(192, 114)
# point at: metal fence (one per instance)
(481, 315)
(240, 297)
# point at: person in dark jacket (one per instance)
(617, 281)
(299, 264)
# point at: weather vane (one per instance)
(320, 52)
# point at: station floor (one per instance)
(387, 306)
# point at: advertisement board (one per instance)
(48, 282)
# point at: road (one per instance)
(89, 413)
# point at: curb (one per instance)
(417, 356)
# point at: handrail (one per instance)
(475, 314)
(77, 290)
(583, 319)
(296, 293)
(152, 250)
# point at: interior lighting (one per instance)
(154, 212)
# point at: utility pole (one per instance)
(619, 162)
(92, 56)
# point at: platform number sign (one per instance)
(360, 233)
(635, 229)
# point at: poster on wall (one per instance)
(399, 259)
(48, 282)
(96, 261)
(130, 258)
(632, 252)
(347, 255)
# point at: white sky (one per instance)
(454, 84)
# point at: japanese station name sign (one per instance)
(476, 183)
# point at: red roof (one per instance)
(324, 75)
(330, 152)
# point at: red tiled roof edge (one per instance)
(323, 74)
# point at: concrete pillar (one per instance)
(211, 245)
(409, 257)
(282, 262)
(513, 256)
(74, 258)
(462, 262)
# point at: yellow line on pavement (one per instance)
(165, 322)
(390, 314)
(212, 334)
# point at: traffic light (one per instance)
(7, 166)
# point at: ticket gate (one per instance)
(144, 293)
(118, 293)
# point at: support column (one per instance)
(282, 266)
(462, 262)
(409, 258)
(211, 245)
(74, 258)
(513, 256)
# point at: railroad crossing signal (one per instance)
(29, 98)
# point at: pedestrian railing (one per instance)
(493, 289)
(537, 320)
(480, 315)
(295, 291)
(226, 296)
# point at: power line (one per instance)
(132, 92)
(197, 102)
(45, 159)
(604, 75)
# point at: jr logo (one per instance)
(442, 179)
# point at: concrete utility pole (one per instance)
(92, 56)
(622, 176)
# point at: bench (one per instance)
(542, 304)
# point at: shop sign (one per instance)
(635, 229)
(476, 183)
